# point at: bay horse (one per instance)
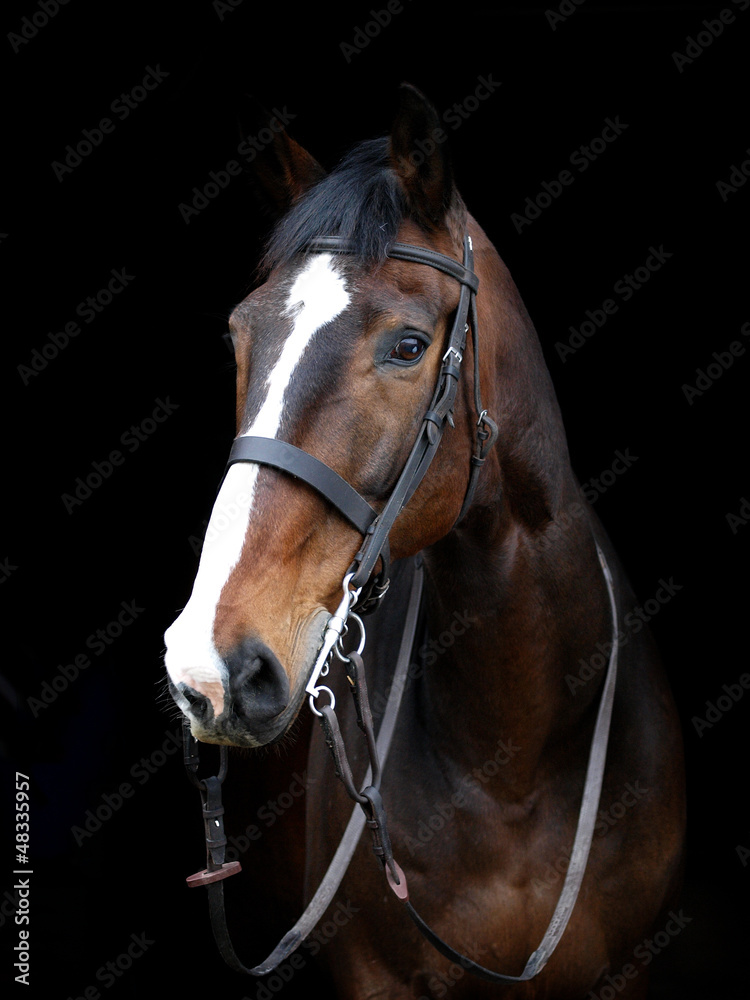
(504, 601)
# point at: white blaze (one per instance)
(316, 297)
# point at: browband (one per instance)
(403, 251)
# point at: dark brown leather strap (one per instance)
(439, 413)
(377, 822)
(404, 251)
(581, 843)
(338, 867)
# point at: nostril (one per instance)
(258, 683)
(200, 707)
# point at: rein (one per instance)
(362, 592)
(217, 869)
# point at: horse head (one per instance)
(337, 355)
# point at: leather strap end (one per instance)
(400, 888)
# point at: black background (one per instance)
(67, 573)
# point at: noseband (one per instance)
(363, 590)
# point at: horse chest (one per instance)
(474, 872)
(491, 917)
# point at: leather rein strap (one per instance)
(217, 869)
(584, 832)
(370, 810)
(371, 802)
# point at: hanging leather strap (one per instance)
(373, 813)
(377, 822)
(340, 863)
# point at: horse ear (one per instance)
(283, 169)
(420, 158)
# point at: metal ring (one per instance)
(337, 648)
(314, 696)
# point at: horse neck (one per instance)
(516, 594)
(506, 625)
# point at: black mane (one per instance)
(361, 200)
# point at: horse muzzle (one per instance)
(249, 699)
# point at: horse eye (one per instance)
(408, 350)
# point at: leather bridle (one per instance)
(363, 590)
(375, 527)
